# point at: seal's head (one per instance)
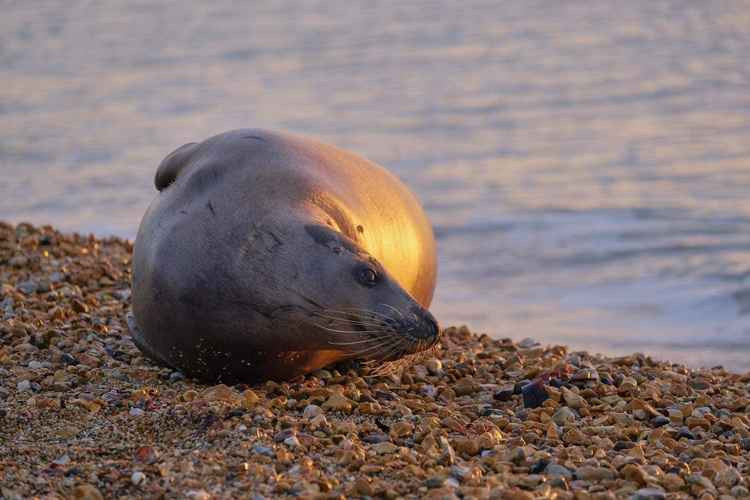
(370, 316)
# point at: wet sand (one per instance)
(84, 415)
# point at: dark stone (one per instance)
(237, 412)
(434, 482)
(623, 445)
(518, 388)
(745, 444)
(539, 466)
(685, 433)
(534, 395)
(504, 394)
(176, 377)
(387, 395)
(68, 359)
(375, 437)
(557, 383)
(73, 471)
(659, 421)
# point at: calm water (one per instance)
(586, 165)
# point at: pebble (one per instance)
(428, 390)
(385, 448)
(564, 416)
(572, 399)
(534, 395)
(466, 386)
(292, 442)
(68, 359)
(338, 402)
(660, 421)
(434, 366)
(557, 470)
(263, 450)
(527, 343)
(136, 412)
(402, 429)
(648, 494)
(505, 394)
(198, 494)
(87, 491)
(588, 473)
(23, 386)
(312, 411)
(28, 287)
(138, 478)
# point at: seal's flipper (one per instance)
(172, 164)
(141, 343)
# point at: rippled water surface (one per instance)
(586, 164)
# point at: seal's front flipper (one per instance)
(141, 343)
(170, 166)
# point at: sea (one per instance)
(585, 165)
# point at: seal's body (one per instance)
(267, 255)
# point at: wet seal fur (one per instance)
(267, 255)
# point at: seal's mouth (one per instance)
(381, 335)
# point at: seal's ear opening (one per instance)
(172, 164)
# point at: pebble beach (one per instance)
(84, 415)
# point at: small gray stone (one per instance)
(528, 343)
(28, 287)
(263, 450)
(428, 390)
(23, 386)
(648, 494)
(18, 261)
(44, 286)
(138, 478)
(660, 420)
(564, 415)
(292, 442)
(434, 482)
(701, 411)
(557, 470)
(311, 411)
(136, 412)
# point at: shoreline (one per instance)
(84, 415)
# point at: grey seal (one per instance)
(267, 255)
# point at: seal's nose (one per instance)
(428, 327)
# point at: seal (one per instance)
(267, 256)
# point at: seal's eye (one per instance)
(367, 277)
